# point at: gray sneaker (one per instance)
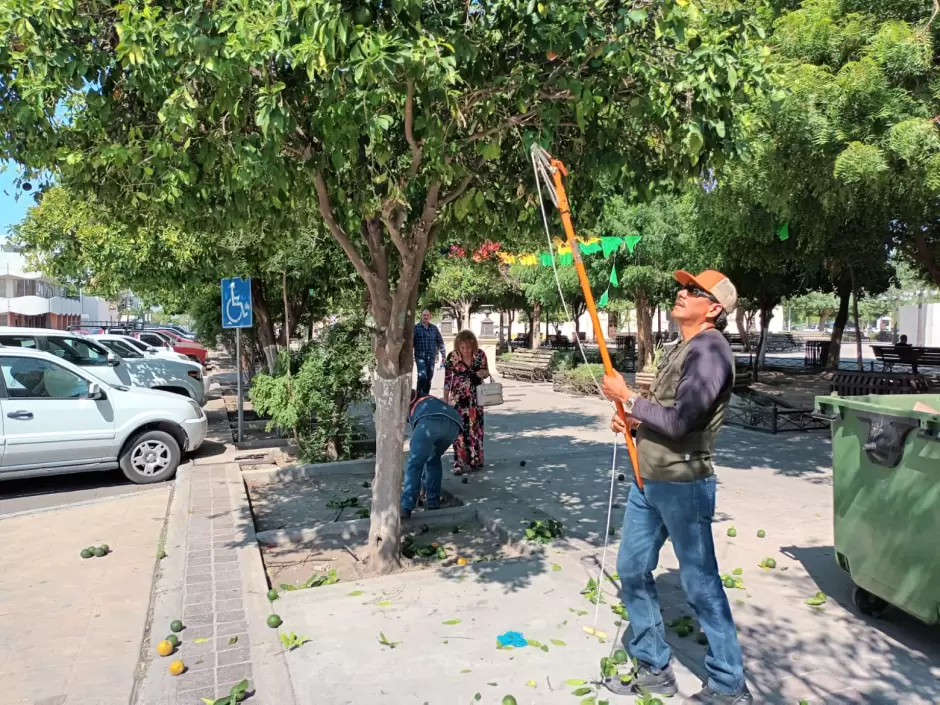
(707, 696)
(655, 682)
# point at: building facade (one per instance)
(29, 299)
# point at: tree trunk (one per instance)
(838, 328)
(644, 329)
(924, 256)
(465, 315)
(535, 343)
(742, 329)
(765, 316)
(510, 317)
(858, 328)
(266, 334)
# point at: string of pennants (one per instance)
(588, 246)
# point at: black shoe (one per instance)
(707, 696)
(655, 683)
(405, 514)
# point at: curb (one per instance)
(269, 664)
(359, 528)
(152, 686)
(83, 503)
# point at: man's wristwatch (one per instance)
(629, 404)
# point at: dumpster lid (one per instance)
(923, 407)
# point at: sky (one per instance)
(11, 209)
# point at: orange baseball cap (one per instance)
(715, 283)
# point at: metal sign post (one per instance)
(237, 314)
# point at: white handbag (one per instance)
(490, 394)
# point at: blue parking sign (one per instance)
(236, 303)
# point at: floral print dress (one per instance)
(458, 379)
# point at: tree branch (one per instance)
(456, 193)
(409, 133)
(936, 11)
(393, 216)
(925, 257)
(505, 125)
(326, 210)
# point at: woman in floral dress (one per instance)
(464, 371)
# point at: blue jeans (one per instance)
(425, 375)
(432, 438)
(683, 511)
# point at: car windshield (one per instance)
(153, 339)
(118, 347)
(78, 351)
(138, 344)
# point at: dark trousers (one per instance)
(425, 375)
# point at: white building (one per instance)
(921, 324)
(29, 299)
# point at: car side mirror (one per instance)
(113, 360)
(95, 392)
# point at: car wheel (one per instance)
(151, 456)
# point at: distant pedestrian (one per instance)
(465, 370)
(428, 342)
(902, 342)
(435, 426)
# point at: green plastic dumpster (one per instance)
(886, 498)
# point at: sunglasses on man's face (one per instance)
(698, 293)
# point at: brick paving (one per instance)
(213, 594)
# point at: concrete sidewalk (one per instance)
(72, 627)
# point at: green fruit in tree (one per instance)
(620, 656)
(173, 639)
(86, 553)
(729, 582)
(761, 533)
(176, 626)
(509, 700)
(100, 553)
(362, 15)
(732, 532)
(274, 621)
(272, 594)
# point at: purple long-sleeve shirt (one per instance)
(707, 373)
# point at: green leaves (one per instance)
(315, 580)
(383, 640)
(292, 641)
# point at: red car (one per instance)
(191, 349)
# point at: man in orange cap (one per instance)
(675, 438)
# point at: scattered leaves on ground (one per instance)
(592, 592)
(451, 622)
(542, 531)
(356, 593)
(555, 567)
(315, 580)
(292, 641)
(383, 640)
(200, 640)
(558, 642)
(384, 603)
(682, 626)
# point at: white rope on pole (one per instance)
(541, 169)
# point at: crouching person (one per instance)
(435, 426)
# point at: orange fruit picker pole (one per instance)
(557, 172)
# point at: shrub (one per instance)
(314, 388)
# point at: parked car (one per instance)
(194, 351)
(84, 352)
(178, 376)
(59, 418)
(151, 351)
(179, 330)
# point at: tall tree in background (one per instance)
(225, 115)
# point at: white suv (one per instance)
(57, 418)
(171, 375)
(102, 363)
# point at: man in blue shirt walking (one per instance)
(428, 342)
(435, 426)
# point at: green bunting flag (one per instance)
(566, 259)
(783, 231)
(614, 281)
(545, 259)
(591, 249)
(602, 302)
(610, 245)
(632, 241)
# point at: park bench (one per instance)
(559, 342)
(858, 384)
(528, 365)
(908, 355)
